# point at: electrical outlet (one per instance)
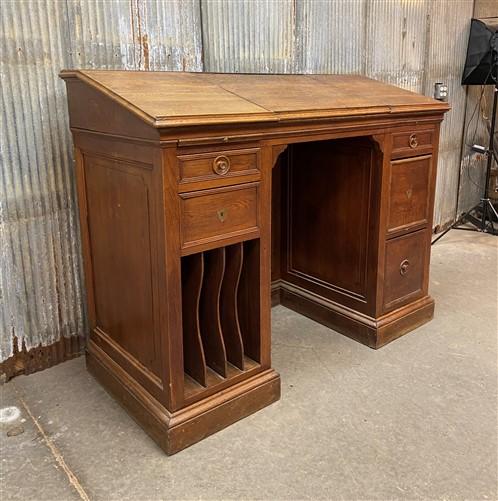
(440, 91)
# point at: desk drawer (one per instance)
(405, 269)
(223, 213)
(412, 143)
(218, 165)
(409, 191)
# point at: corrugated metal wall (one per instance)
(410, 43)
(478, 109)
(41, 288)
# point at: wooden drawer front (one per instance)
(405, 268)
(217, 214)
(218, 165)
(409, 193)
(412, 143)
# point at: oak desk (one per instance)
(205, 196)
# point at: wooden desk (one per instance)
(181, 177)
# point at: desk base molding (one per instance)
(174, 431)
(372, 332)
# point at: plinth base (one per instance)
(174, 431)
(373, 332)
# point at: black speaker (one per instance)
(481, 64)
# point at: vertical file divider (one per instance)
(193, 352)
(209, 311)
(228, 305)
(248, 298)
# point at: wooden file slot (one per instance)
(248, 301)
(218, 287)
(194, 359)
(209, 311)
(228, 305)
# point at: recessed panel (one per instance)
(328, 214)
(409, 193)
(404, 268)
(119, 223)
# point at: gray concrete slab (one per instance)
(414, 420)
(28, 469)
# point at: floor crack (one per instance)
(73, 479)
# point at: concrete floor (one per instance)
(414, 420)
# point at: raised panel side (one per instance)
(121, 233)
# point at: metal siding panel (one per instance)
(249, 36)
(41, 288)
(400, 25)
(476, 130)
(136, 34)
(40, 285)
(320, 36)
(172, 32)
(473, 165)
(444, 62)
(330, 36)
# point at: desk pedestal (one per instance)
(351, 237)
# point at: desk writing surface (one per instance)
(177, 98)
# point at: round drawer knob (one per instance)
(403, 267)
(413, 141)
(221, 165)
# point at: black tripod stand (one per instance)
(484, 211)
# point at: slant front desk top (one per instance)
(206, 198)
(169, 99)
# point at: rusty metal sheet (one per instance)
(449, 23)
(41, 285)
(249, 36)
(135, 34)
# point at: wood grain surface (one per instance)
(165, 98)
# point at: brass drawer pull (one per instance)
(221, 165)
(403, 267)
(413, 141)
